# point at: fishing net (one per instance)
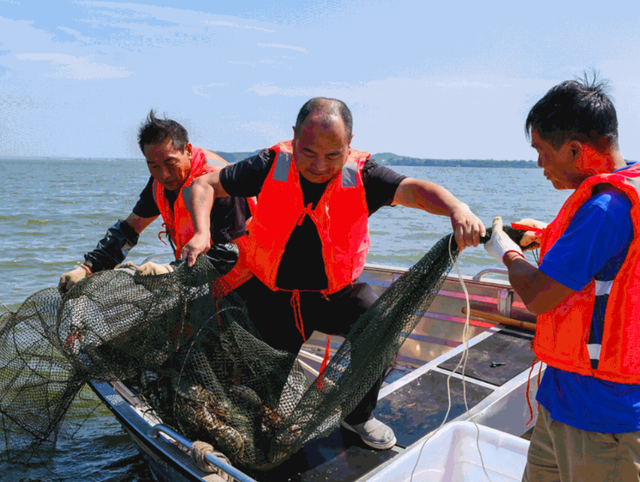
(195, 358)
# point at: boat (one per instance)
(500, 379)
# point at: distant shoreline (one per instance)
(459, 163)
(386, 158)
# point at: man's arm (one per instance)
(110, 251)
(434, 199)
(139, 224)
(243, 179)
(539, 292)
(204, 191)
(597, 237)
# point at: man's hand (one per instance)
(467, 227)
(147, 269)
(500, 244)
(434, 199)
(68, 280)
(199, 244)
(151, 268)
(531, 240)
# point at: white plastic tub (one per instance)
(452, 455)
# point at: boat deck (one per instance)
(414, 408)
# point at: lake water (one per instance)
(53, 211)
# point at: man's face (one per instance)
(320, 148)
(559, 164)
(167, 165)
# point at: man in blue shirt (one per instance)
(588, 427)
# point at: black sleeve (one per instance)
(245, 178)
(228, 218)
(113, 248)
(380, 185)
(146, 206)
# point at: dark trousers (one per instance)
(273, 316)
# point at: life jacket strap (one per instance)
(297, 313)
(325, 360)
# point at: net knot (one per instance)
(199, 451)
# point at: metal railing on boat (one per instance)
(156, 430)
(479, 276)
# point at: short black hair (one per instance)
(156, 131)
(328, 107)
(576, 110)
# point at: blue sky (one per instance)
(424, 79)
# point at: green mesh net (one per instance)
(196, 359)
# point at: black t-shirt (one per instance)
(302, 266)
(228, 216)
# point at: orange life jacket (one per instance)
(178, 220)
(562, 334)
(341, 218)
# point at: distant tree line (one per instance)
(390, 159)
(410, 161)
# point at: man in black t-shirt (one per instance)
(165, 145)
(288, 305)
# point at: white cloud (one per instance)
(78, 68)
(278, 46)
(168, 14)
(76, 34)
(199, 89)
(265, 89)
(265, 131)
(242, 62)
(221, 23)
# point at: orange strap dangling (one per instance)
(533, 364)
(325, 360)
(295, 303)
(161, 233)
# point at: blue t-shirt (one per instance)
(594, 246)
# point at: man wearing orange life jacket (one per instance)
(586, 292)
(173, 164)
(309, 236)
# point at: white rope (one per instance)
(463, 361)
(199, 451)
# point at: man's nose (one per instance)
(165, 173)
(540, 161)
(320, 163)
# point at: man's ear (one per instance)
(188, 149)
(576, 150)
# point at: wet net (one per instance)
(195, 358)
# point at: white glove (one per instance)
(152, 268)
(500, 244)
(147, 269)
(68, 280)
